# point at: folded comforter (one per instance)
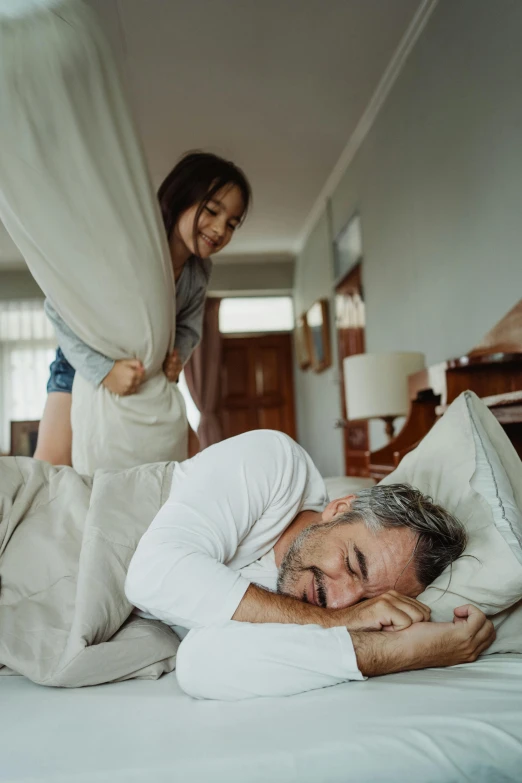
(65, 545)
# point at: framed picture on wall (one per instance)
(319, 326)
(302, 342)
(348, 247)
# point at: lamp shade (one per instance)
(376, 384)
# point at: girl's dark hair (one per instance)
(195, 179)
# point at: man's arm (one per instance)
(389, 610)
(242, 660)
(424, 645)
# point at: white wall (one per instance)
(438, 183)
(317, 394)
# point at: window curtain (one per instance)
(27, 347)
(202, 373)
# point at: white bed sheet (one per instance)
(435, 726)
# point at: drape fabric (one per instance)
(76, 197)
(203, 376)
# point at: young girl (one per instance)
(203, 200)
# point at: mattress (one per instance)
(433, 726)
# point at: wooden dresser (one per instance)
(493, 370)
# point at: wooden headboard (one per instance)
(493, 370)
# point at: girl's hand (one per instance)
(172, 366)
(125, 378)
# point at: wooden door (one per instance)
(350, 325)
(257, 386)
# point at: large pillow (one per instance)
(468, 465)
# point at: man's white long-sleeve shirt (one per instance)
(227, 508)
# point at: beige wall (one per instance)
(228, 279)
(18, 285)
(438, 183)
(234, 278)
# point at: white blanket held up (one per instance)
(76, 198)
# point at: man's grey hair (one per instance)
(441, 537)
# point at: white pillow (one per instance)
(508, 625)
(491, 481)
(468, 465)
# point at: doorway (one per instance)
(257, 384)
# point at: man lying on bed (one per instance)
(319, 592)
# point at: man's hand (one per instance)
(172, 366)
(125, 378)
(424, 645)
(446, 644)
(390, 611)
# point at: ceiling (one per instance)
(278, 86)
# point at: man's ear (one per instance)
(336, 507)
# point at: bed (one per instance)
(432, 726)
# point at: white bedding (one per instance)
(434, 726)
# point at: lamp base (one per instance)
(388, 425)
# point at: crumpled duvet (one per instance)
(65, 546)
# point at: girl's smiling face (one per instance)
(217, 222)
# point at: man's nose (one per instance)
(342, 594)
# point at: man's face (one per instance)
(341, 565)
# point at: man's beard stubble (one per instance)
(293, 567)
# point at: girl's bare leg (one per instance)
(55, 433)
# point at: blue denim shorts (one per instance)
(62, 374)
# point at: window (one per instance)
(256, 314)
(27, 347)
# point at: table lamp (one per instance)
(376, 385)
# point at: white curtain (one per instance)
(27, 347)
